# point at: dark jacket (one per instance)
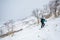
(42, 21)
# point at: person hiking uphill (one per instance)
(42, 22)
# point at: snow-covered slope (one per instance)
(51, 31)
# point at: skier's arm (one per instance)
(45, 20)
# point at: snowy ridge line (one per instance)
(9, 33)
(29, 22)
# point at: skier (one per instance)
(42, 22)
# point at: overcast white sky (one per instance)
(18, 9)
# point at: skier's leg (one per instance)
(42, 25)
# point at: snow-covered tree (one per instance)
(53, 7)
(36, 14)
(9, 25)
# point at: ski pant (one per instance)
(42, 25)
